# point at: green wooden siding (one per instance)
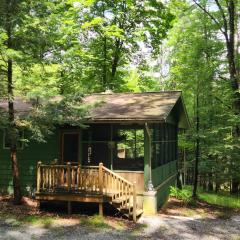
(163, 192)
(163, 172)
(27, 159)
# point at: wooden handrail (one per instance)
(121, 190)
(97, 179)
(117, 175)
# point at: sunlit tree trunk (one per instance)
(13, 133)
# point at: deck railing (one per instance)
(121, 190)
(94, 179)
(53, 178)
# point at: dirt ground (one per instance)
(174, 221)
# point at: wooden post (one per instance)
(69, 175)
(69, 207)
(39, 176)
(79, 177)
(100, 175)
(134, 204)
(101, 209)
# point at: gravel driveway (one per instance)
(152, 227)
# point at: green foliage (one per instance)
(223, 199)
(183, 194)
(198, 66)
(95, 221)
(220, 199)
(59, 111)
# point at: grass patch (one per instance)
(220, 199)
(96, 221)
(14, 220)
(37, 220)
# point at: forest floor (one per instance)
(174, 221)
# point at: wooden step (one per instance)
(119, 200)
(139, 212)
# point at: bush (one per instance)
(183, 194)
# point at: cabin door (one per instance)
(70, 147)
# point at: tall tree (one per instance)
(226, 21)
(116, 30)
(198, 68)
(23, 42)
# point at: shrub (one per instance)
(183, 194)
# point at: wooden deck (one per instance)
(97, 184)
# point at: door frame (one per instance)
(70, 131)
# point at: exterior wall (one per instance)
(134, 177)
(47, 152)
(27, 160)
(163, 177)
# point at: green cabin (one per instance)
(127, 156)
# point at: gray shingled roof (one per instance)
(134, 107)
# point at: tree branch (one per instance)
(222, 102)
(225, 24)
(211, 16)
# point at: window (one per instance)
(6, 140)
(129, 154)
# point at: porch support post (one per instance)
(101, 209)
(150, 195)
(150, 203)
(69, 176)
(100, 176)
(149, 159)
(39, 176)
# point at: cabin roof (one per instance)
(162, 106)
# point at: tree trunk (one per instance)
(233, 75)
(235, 186)
(197, 152)
(179, 181)
(13, 133)
(116, 59)
(210, 182)
(13, 138)
(217, 187)
(104, 72)
(204, 183)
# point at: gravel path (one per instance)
(154, 227)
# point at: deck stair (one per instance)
(87, 184)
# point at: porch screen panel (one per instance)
(70, 147)
(129, 148)
(164, 144)
(94, 153)
(95, 145)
